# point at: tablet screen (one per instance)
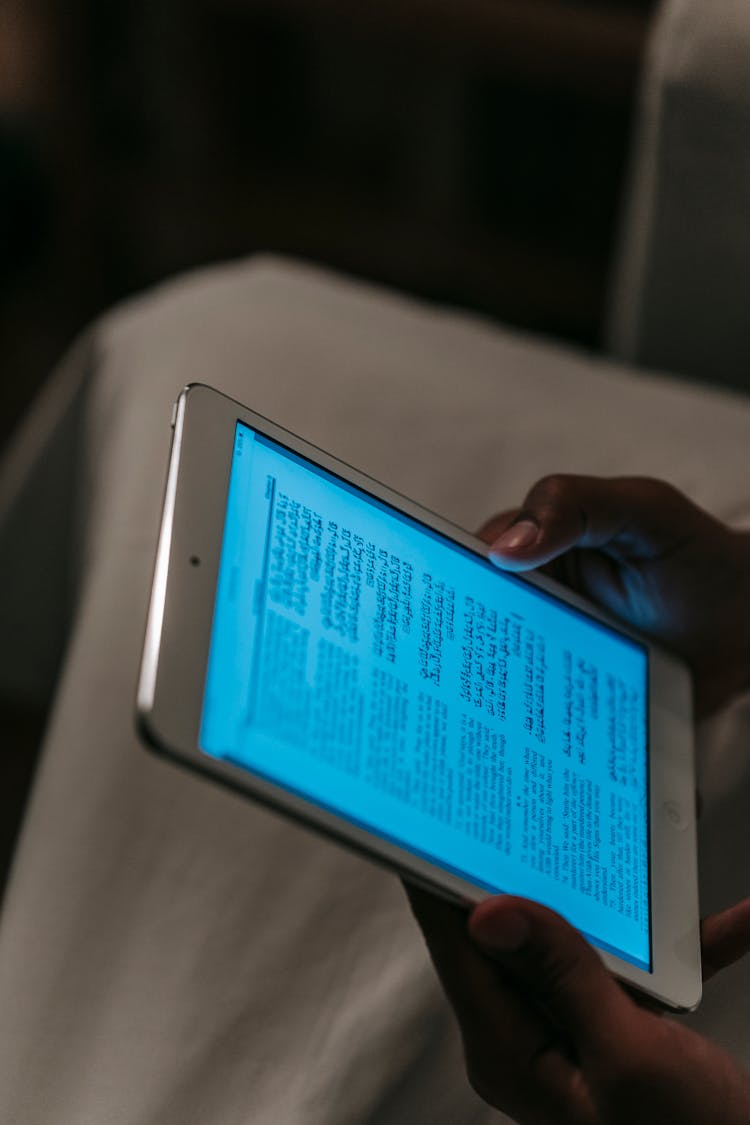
(383, 672)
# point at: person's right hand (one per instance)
(646, 553)
(551, 1038)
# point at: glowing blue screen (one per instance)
(396, 679)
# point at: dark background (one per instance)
(469, 151)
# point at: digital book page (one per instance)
(394, 678)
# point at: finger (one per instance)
(626, 517)
(496, 525)
(725, 938)
(564, 973)
(472, 981)
(559, 568)
(516, 1059)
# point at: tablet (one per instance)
(331, 648)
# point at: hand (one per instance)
(643, 551)
(552, 1039)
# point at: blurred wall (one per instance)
(469, 151)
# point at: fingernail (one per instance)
(501, 933)
(517, 536)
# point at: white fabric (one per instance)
(682, 280)
(169, 953)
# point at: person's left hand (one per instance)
(551, 1038)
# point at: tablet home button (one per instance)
(673, 813)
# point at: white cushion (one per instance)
(169, 953)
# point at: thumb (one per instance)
(563, 973)
(624, 517)
(725, 938)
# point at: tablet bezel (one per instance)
(175, 657)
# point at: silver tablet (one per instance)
(332, 649)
